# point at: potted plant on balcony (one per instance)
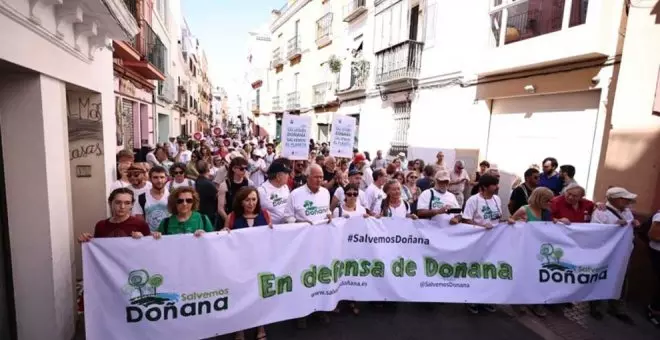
(360, 69)
(334, 63)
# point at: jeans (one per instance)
(655, 262)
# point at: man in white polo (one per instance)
(310, 202)
(617, 211)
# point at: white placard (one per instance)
(182, 287)
(342, 136)
(296, 132)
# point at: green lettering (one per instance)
(446, 270)
(266, 285)
(337, 270)
(309, 277)
(351, 268)
(489, 270)
(365, 267)
(460, 270)
(397, 267)
(325, 275)
(430, 267)
(284, 284)
(379, 269)
(411, 268)
(505, 272)
(475, 270)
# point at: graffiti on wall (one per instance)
(85, 126)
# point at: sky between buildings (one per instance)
(222, 28)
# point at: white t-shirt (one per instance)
(373, 196)
(481, 210)
(463, 176)
(439, 199)
(185, 156)
(655, 244)
(362, 197)
(607, 217)
(260, 167)
(367, 178)
(358, 212)
(119, 184)
(401, 211)
(154, 210)
(187, 182)
(304, 205)
(137, 192)
(274, 200)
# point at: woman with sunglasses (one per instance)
(227, 190)
(179, 180)
(183, 204)
(350, 207)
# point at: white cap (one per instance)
(401, 154)
(442, 175)
(618, 192)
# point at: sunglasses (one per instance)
(412, 177)
(242, 168)
(351, 194)
(184, 200)
(178, 173)
(134, 174)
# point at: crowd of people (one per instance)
(226, 184)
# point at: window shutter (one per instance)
(345, 75)
(378, 32)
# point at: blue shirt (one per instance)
(553, 183)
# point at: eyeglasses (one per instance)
(351, 194)
(134, 174)
(184, 200)
(178, 173)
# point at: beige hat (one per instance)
(442, 175)
(618, 192)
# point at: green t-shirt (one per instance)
(195, 222)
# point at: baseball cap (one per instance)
(618, 192)
(359, 158)
(401, 154)
(278, 167)
(353, 172)
(442, 175)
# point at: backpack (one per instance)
(142, 200)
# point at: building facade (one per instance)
(537, 79)
(58, 128)
(165, 115)
(139, 64)
(262, 121)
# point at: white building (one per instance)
(166, 115)
(219, 106)
(262, 121)
(307, 39)
(57, 121)
(508, 81)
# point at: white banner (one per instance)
(182, 287)
(296, 131)
(342, 136)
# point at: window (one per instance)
(295, 82)
(391, 25)
(401, 119)
(324, 28)
(517, 20)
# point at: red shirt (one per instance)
(105, 228)
(561, 209)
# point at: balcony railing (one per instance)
(402, 61)
(293, 47)
(354, 9)
(293, 101)
(131, 5)
(320, 93)
(277, 57)
(152, 47)
(277, 106)
(324, 30)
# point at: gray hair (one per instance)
(574, 186)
